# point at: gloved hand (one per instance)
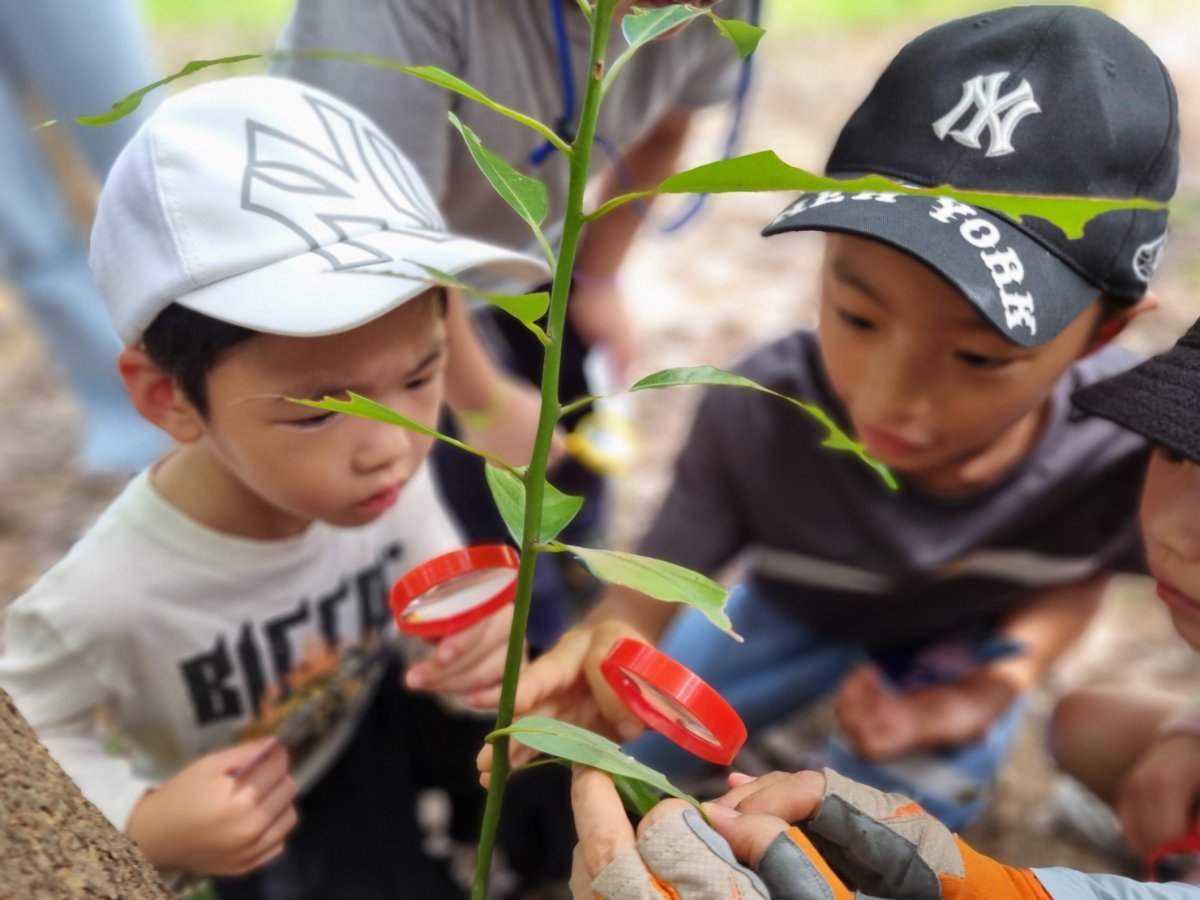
(883, 845)
(676, 855)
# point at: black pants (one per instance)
(358, 835)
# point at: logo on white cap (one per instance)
(996, 114)
(363, 183)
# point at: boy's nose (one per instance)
(380, 445)
(897, 389)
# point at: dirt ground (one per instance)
(707, 295)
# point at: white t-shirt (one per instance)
(152, 642)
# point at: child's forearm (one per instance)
(1046, 627)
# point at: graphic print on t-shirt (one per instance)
(296, 674)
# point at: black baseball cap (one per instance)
(1157, 399)
(1032, 99)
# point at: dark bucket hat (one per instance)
(1159, 399)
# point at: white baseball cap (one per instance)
(273, 205)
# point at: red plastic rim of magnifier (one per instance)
(441, 569)
(629, 657)
(1188, 844)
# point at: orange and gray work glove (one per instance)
(681, 858)
(887, 846)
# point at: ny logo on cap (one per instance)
(334, 185)
(997, 114)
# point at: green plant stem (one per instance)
(535, 475)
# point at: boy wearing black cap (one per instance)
(1139, 748)
(950, 339)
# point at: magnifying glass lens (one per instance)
(672, 709)
(459, 594)
(451, 592)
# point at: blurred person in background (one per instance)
(75, 59)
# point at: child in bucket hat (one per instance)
(1138, 749)
(247, 245)
(949, 342)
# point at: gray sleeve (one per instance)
(1067, 884)
(414, 32)
(699, 525)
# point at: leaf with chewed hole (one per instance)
(360, 406)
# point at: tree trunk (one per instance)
(53, 842)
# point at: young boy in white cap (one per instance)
(949, 341)
(247, 245)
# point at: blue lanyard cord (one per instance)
(565, 127)
(733, 136)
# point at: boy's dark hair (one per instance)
(187, 345)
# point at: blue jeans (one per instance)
(783, 666)
(78, 58)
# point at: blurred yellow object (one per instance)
(605, 441)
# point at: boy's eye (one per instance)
(313, 420)
(416, 384)
(980, 360)
(862, 323)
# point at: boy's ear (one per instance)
(157, 397)
(1119, 321)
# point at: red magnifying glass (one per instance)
(674, 701)
(455, 590)
(1177, 860)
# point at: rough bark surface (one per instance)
(53, 842)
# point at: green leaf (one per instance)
(579, 745)
(360, 406)
(644, 25)
(744, 35)
(526, 195)
(639, 798)
(129, 103)
(836, 439)
(525, 308)
(661, 580)
(764, 171)
(508, 490)
(613, 203)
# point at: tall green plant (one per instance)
(533, 509)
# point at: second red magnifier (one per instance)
(674, 701)
(455, 590)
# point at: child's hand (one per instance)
(883, 724)
(565, 683)
(470, 663)
(205, 821)
(1157, 801)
